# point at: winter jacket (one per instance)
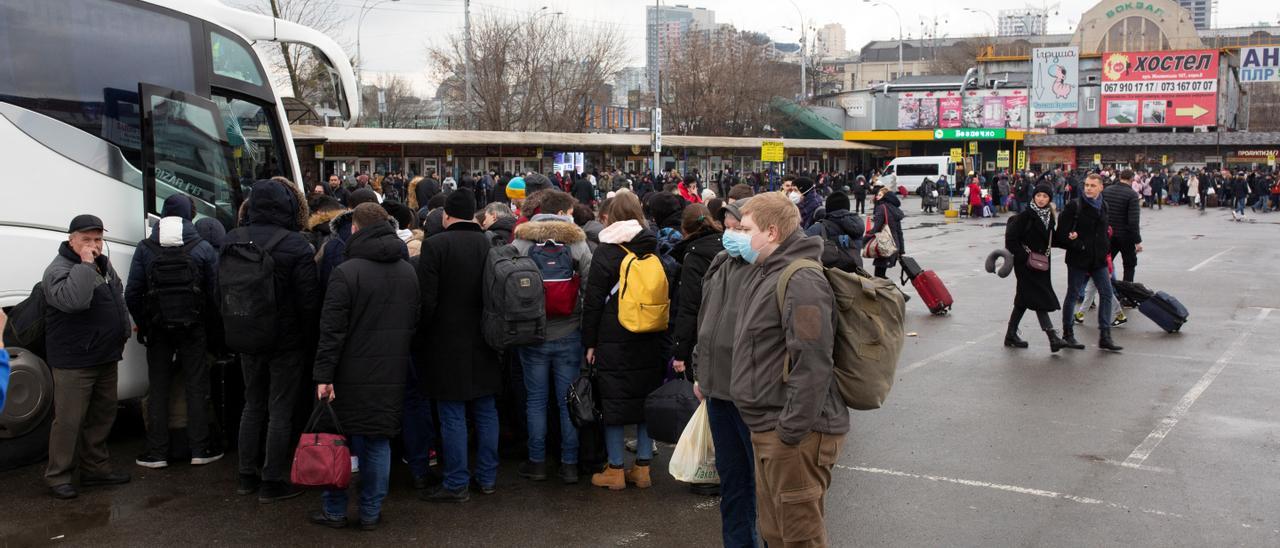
(454, 362)
(890, 206)
(341, 194)
(1035, 288)
(695, 254)
(549, 227)
(804, 329)
(170, 232)
(809, 203)
(334, 251)
(1123, 208)
(87, 323)
(583, 191)
(1089, 250)
(502, 231)
(422, 191)
(718, 313)
(838, 223)
(366, 326)
(319, 227)
(689, 196)
(628, 365)
(272, 208)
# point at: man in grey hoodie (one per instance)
(782, 380)
(550, 239)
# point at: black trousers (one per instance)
(1046, 323)
(860, 203)
(1123, 247)
(167, 352)
(270, 390)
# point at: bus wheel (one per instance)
(28, 411)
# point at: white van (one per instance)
(911, 171)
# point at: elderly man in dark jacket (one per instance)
(1124, 207)
(86, 327)
(172, 292)
(458, 369)
(272, 377)
(1082, 231)
(362, 360)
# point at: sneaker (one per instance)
(248, 485)
(1079, 317)
(1119, 320)
(536, 471)
(443, 494)
(568, 474)
(111, 478)
(631, 446)
(206, 456)
(320, 517)
(370, 524)
(355, 465)
(147, 460)
(483, 489)
(275, 491)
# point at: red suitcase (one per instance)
(928, 285)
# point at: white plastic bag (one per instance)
(694, 460)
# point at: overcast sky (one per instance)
(397, 33)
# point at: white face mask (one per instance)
(795, 197)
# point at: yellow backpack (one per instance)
(644, 306)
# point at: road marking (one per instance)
(1144, 449)
(1010, 489)
(1143, 467)
(1210, 259)
(926, 361)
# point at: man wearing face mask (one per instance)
(797, 419)
(713, 362)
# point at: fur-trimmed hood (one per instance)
(323, 218)
(542, 230)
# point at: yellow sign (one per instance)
(1022, 159)
(448, 155)
(1271, 159)
(1097, 159)
(539, 152)
(319, 149)
(635, 150)
(772, 151)
(957, 154)
(1002, 158)
(973, 147)
(1164, 159)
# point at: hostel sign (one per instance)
(1160, 88)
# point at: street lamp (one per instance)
(804, 56)
(365, 8)
(995, 29)
(899, 16)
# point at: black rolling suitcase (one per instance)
(1166, 311)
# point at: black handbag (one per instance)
(584, 406)
(668, 409)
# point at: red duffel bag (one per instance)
(322, 460)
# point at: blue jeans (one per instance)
(375, 473)
(453, 432)
(614, 444)
(560, 359)
(1240, 203)
(418, 429)
(735, 462)
(1076, 279)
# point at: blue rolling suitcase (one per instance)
(1165, 311)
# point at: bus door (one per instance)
(185, 151)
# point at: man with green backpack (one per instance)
(809, 343)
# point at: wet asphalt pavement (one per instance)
(1172, 442)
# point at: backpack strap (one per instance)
(783, 280)
(275, 240)
(618, 285)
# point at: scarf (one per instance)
(1043, 212)
(1095, 202)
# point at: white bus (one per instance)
(110, 106)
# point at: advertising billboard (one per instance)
(1160, 88)
(1260, 64)
(1001, 108)
(1055, 79)
(995, 108)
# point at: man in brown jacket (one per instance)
(797, 425)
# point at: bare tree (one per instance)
(390, 102)
(297, 63)
(722, 83)
(537, 74)
(959, 57)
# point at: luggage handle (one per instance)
(315, 418)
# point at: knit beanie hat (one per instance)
(515, 188)
(837, 201)
(460, 204)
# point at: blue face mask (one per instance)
(738, 244)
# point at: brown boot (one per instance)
(639, 475)
(612, 478)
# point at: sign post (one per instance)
(1002, 158)
(957, 154)
(1097, 159)
(772, 151)
(1022, 160)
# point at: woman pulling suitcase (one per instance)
(1028, 237)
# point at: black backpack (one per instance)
(175, 294)
(514, 300)
(247, 283)
(839, 251)
(25, 328)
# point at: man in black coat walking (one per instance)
(366, 325)
(1082, 231)
(457, 368)
(1124, 207)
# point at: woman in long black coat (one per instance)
(628, 365)
(888, 209)
(1032, 231)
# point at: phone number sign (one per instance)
(1160, 88)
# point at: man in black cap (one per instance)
(455, 365)
(86, 327)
